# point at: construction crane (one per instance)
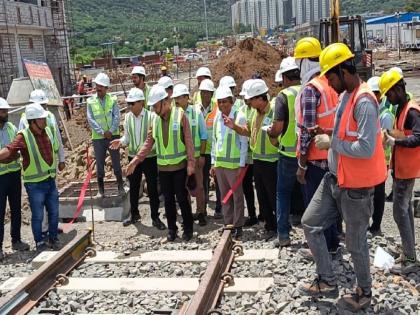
(350, 30)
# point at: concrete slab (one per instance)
(105, 257)
(187, 285)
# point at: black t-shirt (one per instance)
(281, 111)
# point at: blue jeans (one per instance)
(286, 178)
(40, 195)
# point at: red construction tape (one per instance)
(82, 194)
(235, 185)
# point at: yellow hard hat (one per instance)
(307, 47)
(333, 55)
(388, 80)
(163, 68)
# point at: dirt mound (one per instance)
(247, 58)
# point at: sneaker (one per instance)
(269, 234)
(159, 224)
(55, 244)
(405, 266)
(186, 236)
(134, 219)
(218, 215)
(202, 219)
(282, 242)
(250, 221)
(356, 301)
(19, 245)
(171, 236)
(318, 288)
(41, 246)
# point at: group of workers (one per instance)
(326, 131)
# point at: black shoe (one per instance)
(159, 224)
(41, 246)
(269, 234)
(19, 245)
(202, 219)
(238, 233)
(55, 244)
(261, 217)
(218, 215)
(134, 219)
(171, 236)
(251, 221)
(195, 216)
(186, 236)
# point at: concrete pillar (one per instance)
(18, 55)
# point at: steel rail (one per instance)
(22, 299)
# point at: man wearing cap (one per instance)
(229, 154)
(201, 74)
(167, 83)
(315, 109)
(284, 126)
(208, 107)
(181, 97)
(103, 116)
(38, 146)
(405, 142)
(356, 163)
(138, 76)
(171, 134)
(136, 126)
(386, 119)
(10, 184)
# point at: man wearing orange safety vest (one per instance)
(356, 163)
(405, 163)
(315, 107)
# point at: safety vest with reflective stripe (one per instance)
(15, 165)
(227, 153)
(209, 119)
(288, 140)
(263, 149)
(103, 116)
(38, 170)
(248, 112)
(193, 114)
(51, 122)
(406, 161)
(325, 113)
(355, 172)
(385, 111)
(175, 152)
(146, 123)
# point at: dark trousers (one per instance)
(150, 170)
(206, 185)
(100, 147)
(265, 176)
(378, 206)
(248, 188)
(173, 184)
(10, 189)
(297, 208)
(314, 176)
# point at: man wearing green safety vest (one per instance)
(201, 74)
(181, 96)
(229, 154)
(208, 107)
(38, 146)
(138, 77)
(103, 116)
(136, 126)
(284, 127)
(10, 184)
(171, 134)
(386, 119)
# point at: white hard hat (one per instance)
(245, 87)
(165, 82)
(135, 95)
(102, 79)
(373, 83)
(156, 94)
(398, 69)
(257, 87)
(203, 71)
(278, 78)
(38, 96)
(179, 90)
(288, 64)
(227, 81)
(139, 70)
(207, 85)
(223, 92)
(4, 104)
(35, 111)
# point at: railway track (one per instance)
(54, 268)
